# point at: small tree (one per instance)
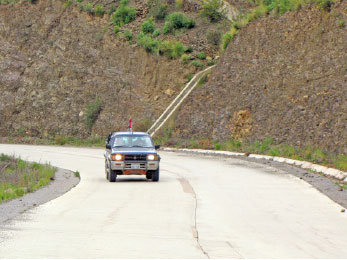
(213, 10)
(148, 26)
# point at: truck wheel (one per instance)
(112, 176)
(148, 175)
(106, 171)
(155, 175)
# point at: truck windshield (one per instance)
(133, 141)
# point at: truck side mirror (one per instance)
(108, 146)
(157, 147)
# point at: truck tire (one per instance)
(106, 171)
(112, 176)
(148, 175)
(155, 175)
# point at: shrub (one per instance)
(201, 56)
(210, 62)
(171, 49)
(324, 4)
(128, 35)
(99, 10)
(203, 80)
(217, 146)
(156, 33)
(188, 49)
(79, 1)
(148, 26)
(197, 64)
(227, 38)
(68, 3)
(186, 58)
(123, 15)
(148, 43)
(92, 113)
(213, 10)
(89, 8)
(160, 11)
(111, 10)
(189, 77)
(176, 21)
(213, 37)
(116, 29)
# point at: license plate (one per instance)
(135, 166)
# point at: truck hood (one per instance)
(133, 150)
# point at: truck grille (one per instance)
(135, 157)
(142, 166)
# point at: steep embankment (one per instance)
(56, 60)
(282, 77)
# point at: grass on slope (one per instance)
(267, 7)
(266, 147)
(18, 177)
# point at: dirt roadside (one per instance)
(64, 181)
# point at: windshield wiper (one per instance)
(119, 146)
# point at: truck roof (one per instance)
(130, 133)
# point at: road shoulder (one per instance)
(64, 180)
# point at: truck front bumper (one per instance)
(134, 167)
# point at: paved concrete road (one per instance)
(202, 207)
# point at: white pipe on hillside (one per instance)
(180, 102)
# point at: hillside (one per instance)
(59, 62)
(282, 76)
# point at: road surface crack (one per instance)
(188, 188)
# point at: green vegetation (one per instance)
(266, 7)
(227, 38)
(213, 37)
(201, 56)
(171, 49)
(18, 177)
(179, 4)
(188, 49)
(186, 58)
(77, 174)
(128, 35)
(74, 141)
(159, 10)
(99, 10)
(116, 29)
(124, 14)
(92, 113)
(68, 3)
(189, 77)
(176, 21)
(197, 64)
(203, 80)
(213, 10)
(148, 26)
(88, 8)
(156, 33)
(148, 43)
(267, 147)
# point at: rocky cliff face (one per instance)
(54, 61)
(283, 77)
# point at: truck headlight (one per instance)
(152, 157)
(117, 157)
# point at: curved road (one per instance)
(201, 207)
